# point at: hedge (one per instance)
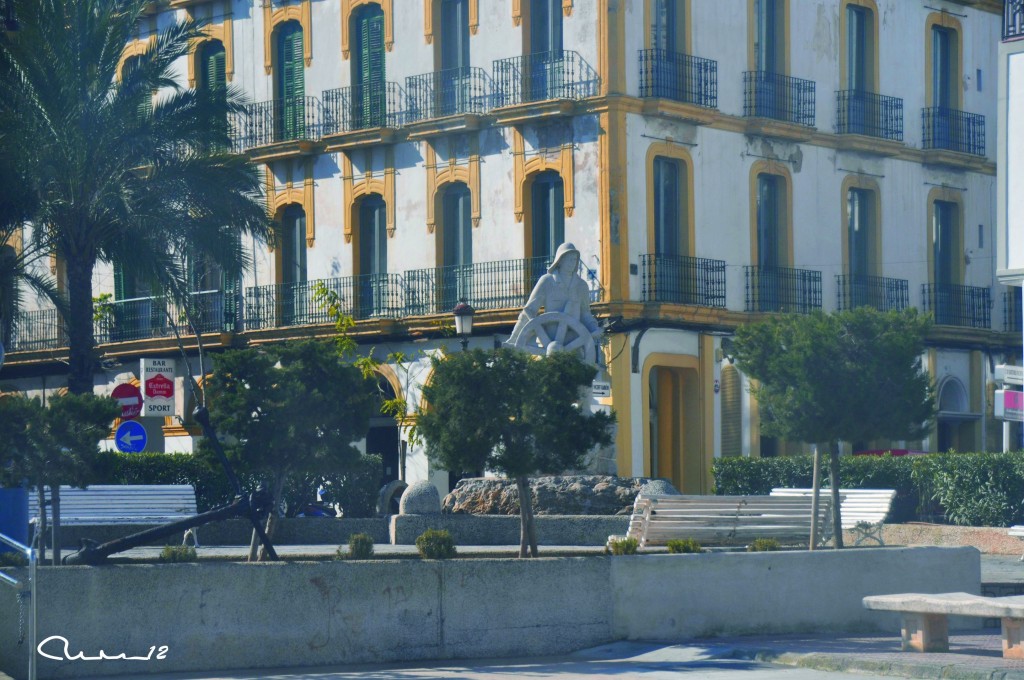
(970, 489)
(355, 491)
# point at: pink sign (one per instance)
(1013, 400)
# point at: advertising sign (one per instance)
(1009, 405)
(158, 387)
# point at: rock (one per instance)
(659, 487)
(421, 498)
(558, 495)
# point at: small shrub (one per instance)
(360, 547)
(436, 544)
(623, 546)
(178, 553)
(13, 559)
(763, 545)
(684, 545)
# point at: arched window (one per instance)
(289, 83)
(456, 245)
(373, 256)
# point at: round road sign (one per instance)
(130, 399)
(130, 437)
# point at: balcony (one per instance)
(451, 92)
(1013, 19)
(1012, 312)
(866, 113)
(151, 317)
(363, 107)
(679, 77)
(683, 280)
(294, 304)
(952, 130)
(782, 289)
(544, 76)
(272, 122)
(956, 305)
(882, 293)
(779, 97)
(36, 330)
(487, 285)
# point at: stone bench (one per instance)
(925, 618)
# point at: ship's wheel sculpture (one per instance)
(554, 332)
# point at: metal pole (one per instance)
(34, 611)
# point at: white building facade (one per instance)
(712, 161)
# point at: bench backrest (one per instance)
(857, 505)
(725, 520)
(120, 504)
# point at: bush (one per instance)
(623, 546)
(982, 489)
(435, 544)
(360, 547)
(178, 553)
(763, 545)
(13, 559)
(684, 545)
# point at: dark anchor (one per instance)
(253, 507)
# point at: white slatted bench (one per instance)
(1018, 531)
(723, 520)
(863, 510)
(925, 624)
(120, 504)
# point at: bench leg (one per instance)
(1013, 631)
(925, 632)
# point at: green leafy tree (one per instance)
(53, 445)
(850, 376)
(511, 413)
(288, 410)
(118, 163)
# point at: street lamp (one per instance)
(463, 322)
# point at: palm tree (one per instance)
(119, 163)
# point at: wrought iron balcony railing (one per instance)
(680, 77)
(151, 317)
(957, 305)
(451, 92)
(866, 113)
(295, 304)
(37, 329)
(953, 130)
(361, 107)
(1013, 19)
(880, 292)
(684, 280)
(772, 95)
(1012, 313)
(487, 285)
(279, 120)
(544, 75)
(782, 289)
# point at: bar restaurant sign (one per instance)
(1009, 405)
(158, 387)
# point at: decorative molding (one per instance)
(272, 17)
(135, 48)
(439, 177)
(429, 8)
(347, 6)
(517, 10)
(302, 195)
(526, 168)
(222, 32)
(370, 183)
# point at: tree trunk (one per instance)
(81, 340)
(815, 489)
(272, 517)
(41, 526)
(55, 504)
(527, 531)
(833, 479)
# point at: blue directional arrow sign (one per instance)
(130, 437)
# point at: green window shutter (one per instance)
(214, 66)
(369, 102)
(291, 89)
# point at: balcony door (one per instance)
(294, 298)
(768, 42)
(770, 233)
(135, 313)
(946, 260)
(547, 220)
(860, 71)
(373, 256)
(673, 280)
(456, 247)
(367, 75)
(945, 133)
(546, 69)
(667, 28)
(453, 84)
(860, 210)
(289, 118)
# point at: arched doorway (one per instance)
(383, 437)
(955, 424)
(674, 446)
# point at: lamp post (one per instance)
(463, 322)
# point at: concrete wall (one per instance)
(504, 529)
(218, 616)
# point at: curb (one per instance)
(906, 669)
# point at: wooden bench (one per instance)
(925, 622)
(723, 520)
(863, 510)
(121, 504)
